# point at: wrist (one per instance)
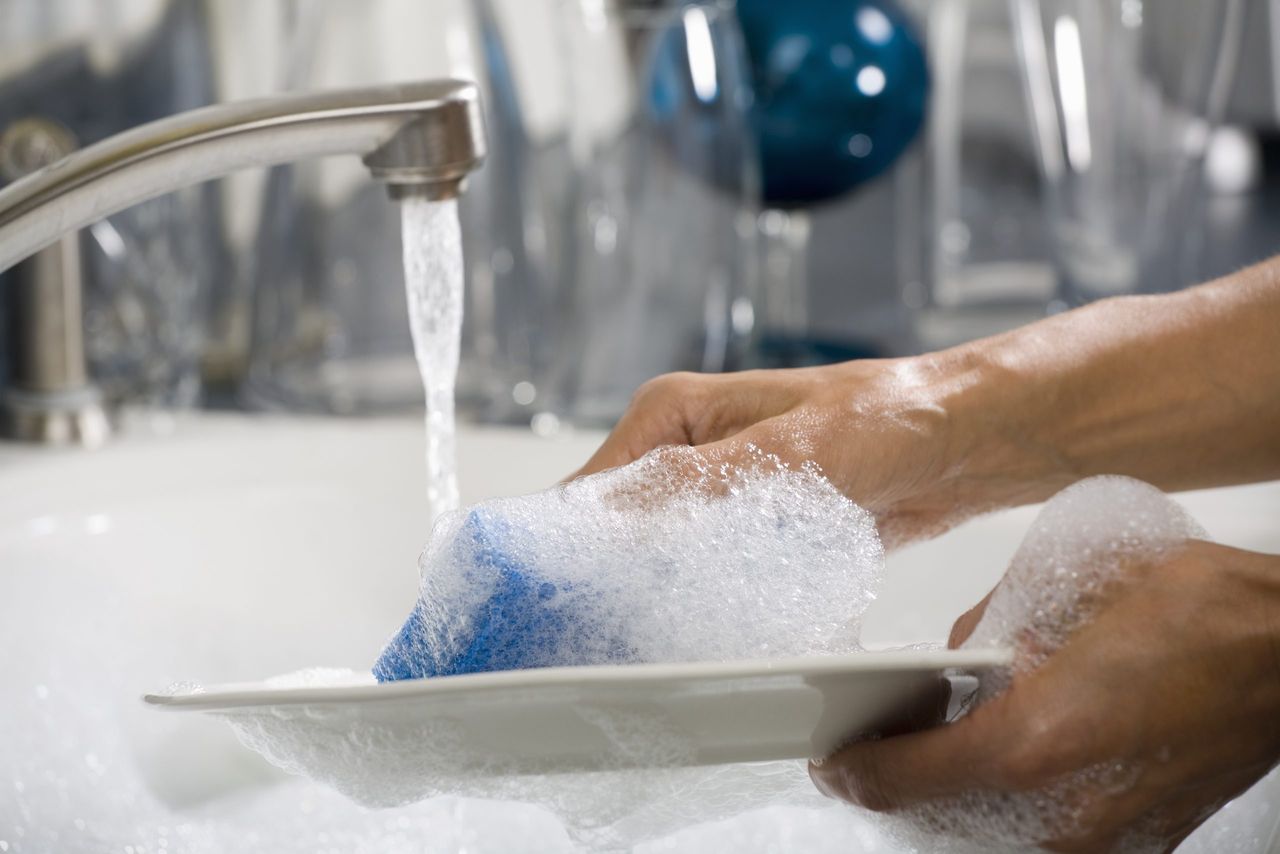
(998, 455)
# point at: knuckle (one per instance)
(1195, 561)
(666, 386)
(1032, 757)
(1041, 750)
(1195, 550)
(1021, 768)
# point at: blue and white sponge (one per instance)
(639, 565)
(521, 619)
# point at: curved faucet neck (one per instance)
(427, 136)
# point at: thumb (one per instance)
(967, 622)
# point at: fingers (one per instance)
(897, 772)
(690, 409)
(1016, 742)
(967, 622)
(657, 416)
(633, 437)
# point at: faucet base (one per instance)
(56, 418)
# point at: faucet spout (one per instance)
(418, 137)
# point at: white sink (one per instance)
(238, 548)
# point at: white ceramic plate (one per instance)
(589, 718)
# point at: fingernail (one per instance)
(821, 779)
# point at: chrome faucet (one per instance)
(421, 139)
(48, 398)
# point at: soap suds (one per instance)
(632, 566)
(81, 770)
(627, 566)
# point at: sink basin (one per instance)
(237, 548)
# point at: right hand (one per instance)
(1158, 710)
(881, 430)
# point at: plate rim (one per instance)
(248, 695)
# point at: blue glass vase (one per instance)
(840, 93)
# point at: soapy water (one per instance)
(77, 775)
(627, 566)
(759, 561)
(432, 242)
(599, 810)
(763, 560)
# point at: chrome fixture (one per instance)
(417, 137)
(421, 139)
(49, 398)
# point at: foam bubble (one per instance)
(402, 764)
(1080, 544)
(633, 566)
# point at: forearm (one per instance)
(1181, 390)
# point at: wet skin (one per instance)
(1180, 390)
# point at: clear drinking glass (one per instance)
(659, 254)
(96, 69)
(1123, 95)
(514, 214)
(983, 261)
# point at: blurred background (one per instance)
(671, 186)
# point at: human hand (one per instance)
(1143, 386)
(1174, 687)
(887, 433)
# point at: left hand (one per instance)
(1177, 677)
(897, 436)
